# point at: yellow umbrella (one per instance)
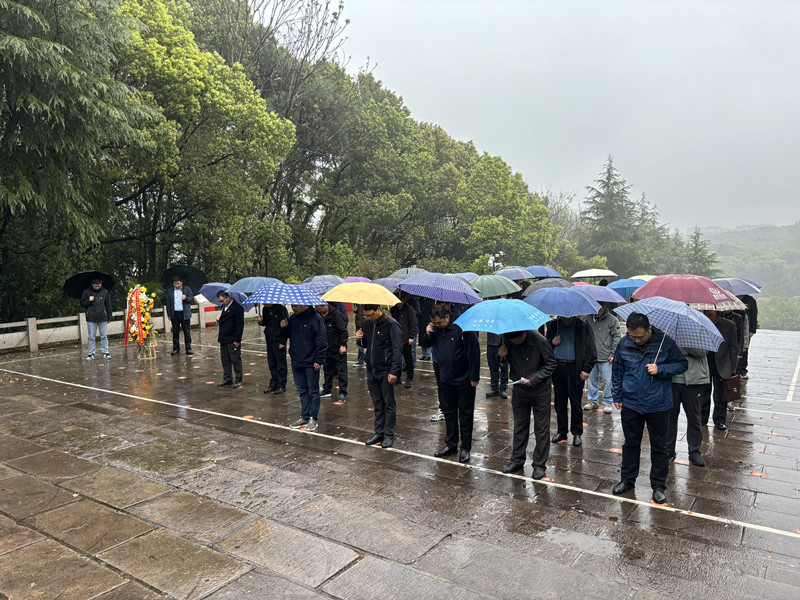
(360, 292)
(643, 277)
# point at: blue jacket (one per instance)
(309, 340)
(458, 353)
(630, 382)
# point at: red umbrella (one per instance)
(698, 292)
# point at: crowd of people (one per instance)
(642, 372)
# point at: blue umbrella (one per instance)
(284, 293)
(626, 287)
(541, 272)
(469, 276)
(513, 273)
(601, 293)
(563, 302)
(407, 272)
(501, 316)
(688, 327)
(248, 285)
(440, 287)
(390, 283)
(737, 286)
(210, 291)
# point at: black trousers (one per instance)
(691, 398)
(231, 357)
(383, 403)
(741, 365)
(714, 389)
(276, 359)
(657, 427)
(178, 323)
(498, 370)
(568, 388)
(408, 359)
(458, 406)
(335, 364)
(522, 407)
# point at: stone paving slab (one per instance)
(6, 472)
(13, 536)
(131, 591)
(295, 554)
(89, 526)
(54, 465)
(257, 585)
(12, 447)
(115, 487)
(46, 570)
(175, 565)
(24, 496)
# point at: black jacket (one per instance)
(752, 312)
(737, 320)
(231, 323)
(406, 316)
(585, 350)
(457, 353)
(532, 359)
(724, 360)
(336, 328)
(187, 304)
(382, 340)
(99, 309)
(271, 320)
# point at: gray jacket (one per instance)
(697, 373)
(606, 334)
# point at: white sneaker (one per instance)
(439, 416)
(299, 423)
(90, 357)
(607, 409)
(107, 356)
(312, 424)
(589, 406)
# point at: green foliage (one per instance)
(779, 313)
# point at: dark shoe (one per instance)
(270, 389)
(576, 440)
(387, 442)
(721, 426)
(280, 390)
(622, 487)
(325, 394)
(189, 353)
(538, 473)
(731, 406)
(463, 456)
(512, 468)
(301, 422)
(672, 457)
(224, 383)
(409, 383)
(492, 394)
(559, 437)
(503, 395)
(237, 385)
(342, 398)
(697, 460)
(375, 439)
(446, 451)
(659, 496)
(174, 352)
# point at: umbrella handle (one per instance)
(675, 318)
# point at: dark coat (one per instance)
(187, 304)
(309, 341)
(726, 356)
(457, 353)
(336, 330)
(425, 306)
(406, 316)
(271, 320)
(737, 320)
(752, 312)
(533, 359)
(99, 309)
(585, 349)
(382, 341)
(231, 323)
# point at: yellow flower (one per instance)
(153, 294)
(144, 290)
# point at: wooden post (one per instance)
(83, 330)
(33, 334)
(201, 320)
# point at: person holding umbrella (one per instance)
(179, 311)
(336, 355)
(97, 302)
(406, 316)
(722, 365)
(271, 317)
(231, 327)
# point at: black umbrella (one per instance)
(75, 285)
(190, 276)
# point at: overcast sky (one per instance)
(698, 101)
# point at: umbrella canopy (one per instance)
(353, 279)
(361, 293)
(390, 283)
(593, 273)
(563, 302)
(688, 327)
(513, 273)
(539, 271)
(700, 292)
(581, 283)
(334, 279)
(190, 276)
(248, 285)
(469, 276)
(736, 286)
(440, 287)
(644, 278)
(626, 287)
(320, 287)
(284, 293)
(501, 316)
(493, 286)
(210, 291)
(407, 272)
(550, 282)
(753, 283)
(74, 286)
(601, 293)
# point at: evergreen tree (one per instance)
(700, 259)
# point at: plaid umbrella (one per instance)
(688, 327)
(283, 293)
(501, 316)
(440, 287)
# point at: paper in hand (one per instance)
(520, 380)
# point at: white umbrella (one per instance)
(593, 273)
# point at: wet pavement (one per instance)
(138, 479)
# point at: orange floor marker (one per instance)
(654, 503)
(209, 382)
(616, 450)
(182, 377)
(681, 461)
(757, 474)
(247, 417)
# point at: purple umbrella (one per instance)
(390, 283)
(440, 287)
(601, 293)
(353, 279)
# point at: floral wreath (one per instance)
(138, 323)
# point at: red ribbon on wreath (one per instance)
(137, 306)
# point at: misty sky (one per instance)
(698, 101)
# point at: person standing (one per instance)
(752, 316)
(360, 319)
(644, 364)
(498, 368)
(271, 317)
(531, 359)
(425, 306)
(605, 330)
(179, 312)
(381, 339)
(97, 302)
(231, 327)
(458, 358)
(336, 354)
(575, 354)
(722, 366)
(687, 391)
(406, 316)
(309, 343)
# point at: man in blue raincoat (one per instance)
(641, 384)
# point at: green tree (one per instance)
(700, 258)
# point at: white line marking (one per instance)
(769, 412)
(793, 384)
(424, 456)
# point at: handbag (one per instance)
(731, 389)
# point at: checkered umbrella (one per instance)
(688, 327)
(284, 293)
